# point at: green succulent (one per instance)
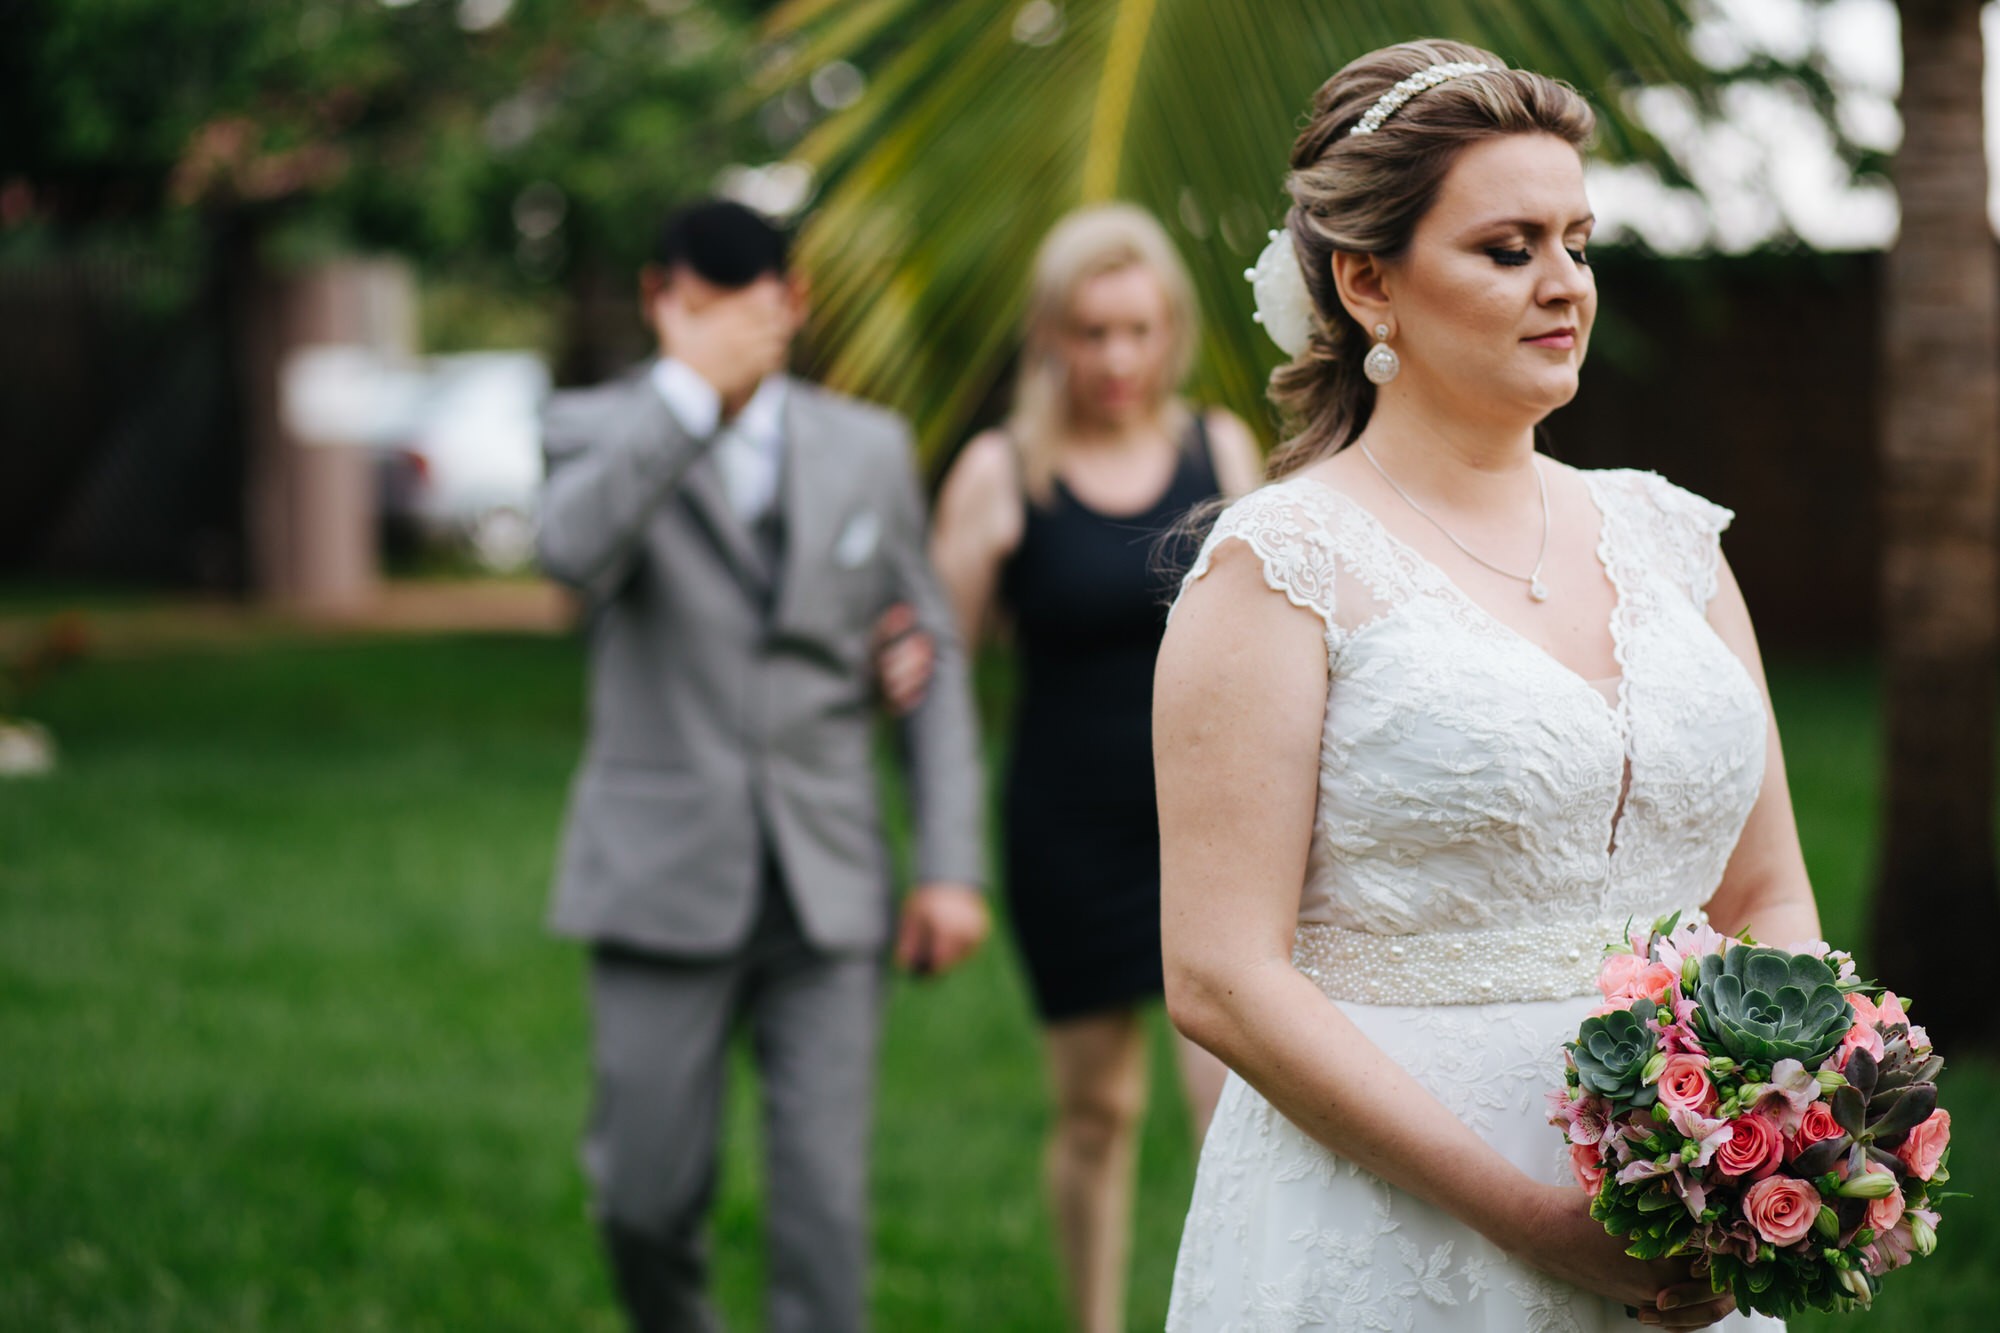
(1766, 1005)
(1611, 1051)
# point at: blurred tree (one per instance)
(1937, 902)
(512, 142)
(985, 120)
(523, 145)
(516, 130)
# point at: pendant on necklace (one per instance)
(1538, 590)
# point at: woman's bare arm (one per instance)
(1765, 887)
(976, 527)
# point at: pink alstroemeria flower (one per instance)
(1677, 1037)
(1791, 1090)
(1691, 939)
(1589, 1118)
(1584, 1119)
(1891, 1248)
(1707, 1135)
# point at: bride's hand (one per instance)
(1565, 1241)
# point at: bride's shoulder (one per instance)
(1672, 527)
(1280, 535)
(1653, 496)
(1300, 500)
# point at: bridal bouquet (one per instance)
(1761, 1111)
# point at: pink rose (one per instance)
(1925, 1146)
(1891, 1010)
(1626, 978)
(1617, 972)
(1862, 1036)
(1885, 1212)
(1865, 1010)
(1587, 1166)
(1782, 1209)
(1754, 1147)
(1817, 1125)
(1684, 1083)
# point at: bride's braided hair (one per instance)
(1366, 193)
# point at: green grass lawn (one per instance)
(283, 1045)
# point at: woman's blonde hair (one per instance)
(1366, 193)
(1087, 244)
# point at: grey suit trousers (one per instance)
(662, 1027)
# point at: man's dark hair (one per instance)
(723, 242)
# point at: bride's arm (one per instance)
(1765, 887)
(1239, 700)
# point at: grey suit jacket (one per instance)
(722, 718)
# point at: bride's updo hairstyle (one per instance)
(1367, 192)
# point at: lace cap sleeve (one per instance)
(1291, 542)
(1690, 532)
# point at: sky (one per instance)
(1770, 164)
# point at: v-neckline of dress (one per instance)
(1616, 622)
(1617, 713)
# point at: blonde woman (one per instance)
(1435, 718)
(1054, 522)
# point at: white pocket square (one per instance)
(858, 540)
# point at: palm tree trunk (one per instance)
(1936, 908)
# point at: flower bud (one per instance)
(1721, 1066)
(1923, 1236)
(1690, 971)
(1827, 1223)
(1857, 1285)
(1868, 1185)
(1661, 1114)
(1651, 1072)
(1830, 1079)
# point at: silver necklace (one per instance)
(1536, 588)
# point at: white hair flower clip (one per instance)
(1284, 306)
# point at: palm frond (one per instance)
(970, 142)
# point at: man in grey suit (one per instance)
(739, 534)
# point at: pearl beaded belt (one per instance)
(1510, 964)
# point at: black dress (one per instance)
(1089, 595)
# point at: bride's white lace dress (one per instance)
(1487, 821)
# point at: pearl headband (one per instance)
(1389, 103)
(1284, 306)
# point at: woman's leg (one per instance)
(1201, 1079)
(1097, 1069)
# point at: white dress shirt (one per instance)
(751, 447)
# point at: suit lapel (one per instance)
(813, 496)
(705, 494)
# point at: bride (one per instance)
(1435, 718)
